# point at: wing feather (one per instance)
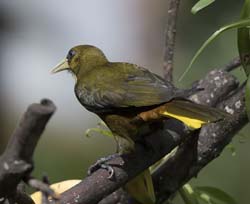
(131, 86)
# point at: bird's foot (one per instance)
(101, 164)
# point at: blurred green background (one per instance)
(35, 35)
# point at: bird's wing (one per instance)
(146, 89)
(126, 85)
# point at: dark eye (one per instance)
(71, 54)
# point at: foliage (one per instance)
(212, 195)
(238, 24)
(244, 50)
(100, 129)
(243, 37)
(205, 194)
(201, 5)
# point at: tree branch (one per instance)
(233, 64)
(97, 186)
(16, 161)
(202, 148)
(217, 84)
(170, 33)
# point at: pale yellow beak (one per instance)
(63, 65)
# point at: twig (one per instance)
(170, 34)
(45, 195)
(16, 161)
(233, 64)
(95, 187)
(42, 186)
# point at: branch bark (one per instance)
(217, 84)
(16, 162)
(170, 34)
(195, 151)
(233, 64)
(202, 148)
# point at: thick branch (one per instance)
(170, 33)
(217, 84)
(196, 153)
(95, 187)
(16, 161)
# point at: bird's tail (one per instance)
(191, 114)
(141, 188)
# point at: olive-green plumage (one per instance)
(102, 85)
(118, 92)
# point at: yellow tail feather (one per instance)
(190, 122)
(141, 188)
(191, 114)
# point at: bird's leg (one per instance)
(122, 132)
(124, 145)
(101, 164)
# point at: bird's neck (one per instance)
(90, 62)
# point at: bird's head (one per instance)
(81, 59)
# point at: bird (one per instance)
(128, 97)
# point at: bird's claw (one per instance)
(93, 168)
(110, 170)
(100, 164)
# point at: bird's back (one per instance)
(122, 85)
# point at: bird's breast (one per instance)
(91, 99)
(86, 97)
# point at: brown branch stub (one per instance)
(170, 34)
(16, 161)
(42, 186)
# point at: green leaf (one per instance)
(242, 137)
(244, 39)
(188, 195)
(156, 165)
(201, 5)
(213, 195)
(101, 129)
(206, 198)
(232, 149)
(238, 24)
(247, 97)
(107, 133)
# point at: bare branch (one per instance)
(42, 186)
(170, 33)
(233, 64)
(196, 153)
(16, 161)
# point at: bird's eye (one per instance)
(71, 54)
